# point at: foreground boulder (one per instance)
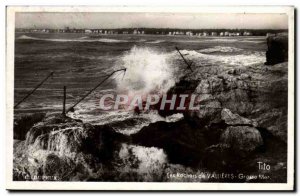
(67, 136)
(193, 143)
(241, 139)
(183, 141)
(66, 148)
(236, 148)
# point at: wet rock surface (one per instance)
(261, 99)
(241, 139)
(235, 119)
(65, 148)
(183, 141)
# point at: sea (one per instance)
(81, 61)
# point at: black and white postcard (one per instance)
(150, 98)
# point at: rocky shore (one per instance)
(65, 148)
(242, 120)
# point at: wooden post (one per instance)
(188, 64)
(108, 76)
(64, 102)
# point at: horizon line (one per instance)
(160, 28)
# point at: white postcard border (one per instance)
(37, 185)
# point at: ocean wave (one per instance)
(84, 37)
(110, 40)
(155, 42)
(147, 70)
(242, 40)
(222, 40)
(220, 49)
(245, 59)
(81, 39)
(219, 40)
(253, 41)
(150, 160)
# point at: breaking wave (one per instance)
(81, 39)
(155, 42)
(222, 40)
(147, 71)
(245, 59)
(240, 40)
(122, 121)
(151, 160)
(220, 49)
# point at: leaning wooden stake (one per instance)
(51, 74)
(108, 76)
(189, 65)
(64, 102)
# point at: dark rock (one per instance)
(220, 158)
(236, 146)
(273, 151)
(68, 136)
(242, 139)
(261, 98)
(59, 167)
(24, 123)
(184, 86)
(183, 141)
(130, 122)
(275, 121)
(277, 49)
(234, 71)
(66, 149)
(209, 112)
(21, 175)
(235, 119)
(111, 142)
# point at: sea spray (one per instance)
(148, 71)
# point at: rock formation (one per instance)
(243, 113)
(183, 141)
(59, 146)
(261, 98)
(24, 123)
(277, 49)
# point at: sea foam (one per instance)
(147, 71)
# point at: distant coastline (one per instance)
(159, 31)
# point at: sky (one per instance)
(150, 20)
